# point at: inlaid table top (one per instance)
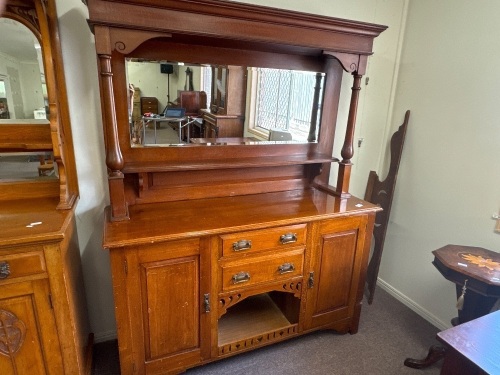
(475, 262)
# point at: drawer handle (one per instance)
(288, 238)
(286, 268)
(4, 270)
(242, 245)
(240, 277)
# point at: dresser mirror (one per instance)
(23, 92)
(23, 106)
(36, 149)
(278, 105)
(28, 166)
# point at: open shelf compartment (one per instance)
(256, 321)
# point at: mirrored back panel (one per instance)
(173, 103)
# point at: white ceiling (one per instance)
(17, 40)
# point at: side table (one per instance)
(472, 348)
(479, 270)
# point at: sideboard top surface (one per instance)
(32, 221)
(158, 222)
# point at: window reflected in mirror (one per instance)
(221, 104)
(23, 93)
(28, 166)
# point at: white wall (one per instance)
(449, 178)
(80, 66)
(151, 82)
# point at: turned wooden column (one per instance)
(114, 158)
(347, 153)
(314, 113)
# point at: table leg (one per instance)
(436, 352)
(475, 306)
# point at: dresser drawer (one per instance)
(149, 109)
(149, 104)
(265, 239)
(246, 272)
(21, 265)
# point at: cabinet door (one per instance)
(28, 336)
(164, 307)
(338, 257)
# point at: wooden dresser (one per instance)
(43, 314)
(220, 249)
(149, 104)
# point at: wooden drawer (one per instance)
(149, 104)
(19, 265)
(246, 272)
(265, 239)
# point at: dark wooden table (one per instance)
(479, 270)
(472, 348)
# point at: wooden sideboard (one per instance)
(43, 311)
(217, 249)
(196, 281)
(43, 315)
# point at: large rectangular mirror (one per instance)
(172, 103)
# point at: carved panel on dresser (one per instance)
(12, 333)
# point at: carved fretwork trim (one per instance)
(227, 301)
(12, 333)
(259, 340)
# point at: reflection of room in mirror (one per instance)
(21, 73)
(28, 165)
(273, 100)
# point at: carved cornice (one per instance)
(24, 12)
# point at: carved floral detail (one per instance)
(27, 13)
(12, 333)
(481, 262)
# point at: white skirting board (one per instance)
(413, 306)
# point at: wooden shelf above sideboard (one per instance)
(265, 161)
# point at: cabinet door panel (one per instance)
(171, 306)
(335, 268)
(25, 318)
(337, 261)
(159, 293)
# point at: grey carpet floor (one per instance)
(388, 333)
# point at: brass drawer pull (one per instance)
(286, 268)
(240, 277)
(242, 245)
(4, 270)
(288, 238)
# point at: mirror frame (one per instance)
(160, 49)
(233, 33)
(40, 17)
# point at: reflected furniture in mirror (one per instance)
(44, 327)
(224, 245)
(227, 107)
